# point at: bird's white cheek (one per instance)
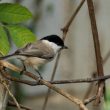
(55, 47)
(52, 45)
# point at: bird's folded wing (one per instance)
(36, 50)
(37, 53)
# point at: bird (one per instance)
(38, 53)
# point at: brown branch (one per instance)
(23, 81)
(85, 80)
(3, 82)
(12, 104)
(65, 31)
(49, 85)
(97, 49)
(89, 90)
(35, 83)
(68, 96)
(87, 101)
(94, 75)
(9, 65)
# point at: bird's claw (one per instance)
(22, 72)
(39, 79)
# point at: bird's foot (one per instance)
(4, 68)
(40, 77)
(39, 74)
(22, 72)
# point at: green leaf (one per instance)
(21, 35)
(13, 13)
(4, 43)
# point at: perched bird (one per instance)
(38, 53)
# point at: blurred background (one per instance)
(49, 16)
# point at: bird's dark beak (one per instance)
(65, 47)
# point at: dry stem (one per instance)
(97, 50)
(14, 99)
(12, 104)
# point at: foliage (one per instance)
(20, 35)
(107, 101)
(13, 13)
(4, 44)
(10, 16)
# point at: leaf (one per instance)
(13, 13)
(4, 43)
(21, 35)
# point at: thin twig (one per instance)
(65, 31)
(12, 104)
(97, 50)
(35, 83)
(87, 101)
(85, 80)
(89, 90)
(14, 99)
(66, 27)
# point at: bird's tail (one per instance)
(7, 57)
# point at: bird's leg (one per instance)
(4, 68)
(39, 74)
(24, 68)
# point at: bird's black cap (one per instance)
(55, 39)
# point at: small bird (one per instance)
(38, 53)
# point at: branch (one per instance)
(12, 96)
(84, 80)
(49, 85)
(87, 101)
(35, 83)
(12, 104)
(27, 82)
(65, 31)
(97, 49)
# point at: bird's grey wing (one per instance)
(36, 50)
(38, 53)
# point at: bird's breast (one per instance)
(35, 62)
